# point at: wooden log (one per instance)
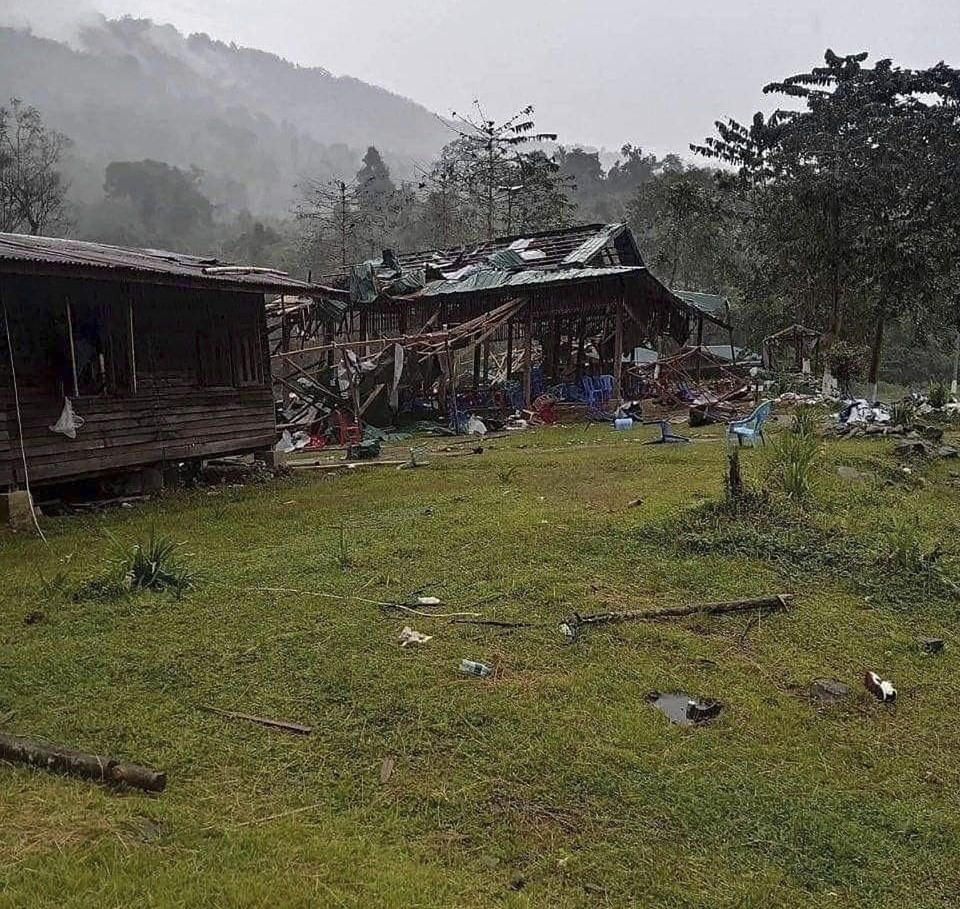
(775, 603)
(97, 767)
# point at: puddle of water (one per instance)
(684, 709)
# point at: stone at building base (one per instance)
(275, 460)
(15, 509)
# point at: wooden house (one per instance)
(162, 358)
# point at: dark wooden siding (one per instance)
(184, 341)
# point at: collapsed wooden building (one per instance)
(581, 295)
(115, 359)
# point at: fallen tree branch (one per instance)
(97, 767)
(775, 603)
(260, 720)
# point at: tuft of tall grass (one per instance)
(796, 463)
(804, 421)
(154, 565)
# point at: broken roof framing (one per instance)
(568, 285)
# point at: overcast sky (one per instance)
(653, 73)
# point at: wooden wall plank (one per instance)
(170, 417)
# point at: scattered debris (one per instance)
(683, 709)
(386, 769)
(261, 720)
(636, 503)
(923, 449)
(931, 645)
(518, 882)
(469, 667)
(776, 603)
(429, 601)
(34, 617)
(829, 690)
(881, 689)
(409, 636)
(97, 767)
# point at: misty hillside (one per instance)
(254, 123)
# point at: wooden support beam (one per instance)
(509, 350)
(476, 367)
(618, 354)
(528, 360)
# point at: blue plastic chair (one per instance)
(751, 427)
(606, 387)
(592, 390)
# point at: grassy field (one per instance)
(554, 783)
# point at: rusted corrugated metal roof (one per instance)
(55, 256)
(556, 247)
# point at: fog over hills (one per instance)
(255, 124)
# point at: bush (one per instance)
(902, 413)
(938, 395)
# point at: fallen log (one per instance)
(97, 767)
(775, 603)
(261, 720)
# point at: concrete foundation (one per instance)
(15, 509)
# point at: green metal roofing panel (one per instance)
(495, 279)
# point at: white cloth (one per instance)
(70, 421)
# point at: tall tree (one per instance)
(332, 210)
(172, 208)
(33, 192)
(491, 158)
(858, 172)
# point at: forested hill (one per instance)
(254, 123)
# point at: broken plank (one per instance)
(777, 602)
(261, 720)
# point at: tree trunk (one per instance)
(876, 354)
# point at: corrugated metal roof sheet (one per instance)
(56, 256)
(711, 303)
(594, 245)
(556, 246)
(494, 279)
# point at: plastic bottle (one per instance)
(469, 667)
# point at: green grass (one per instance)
(557, 771)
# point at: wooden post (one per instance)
(733, 350)
(618, 353)
(363, 333)
(476, 367)
(528, 359)
(73, 352)
(509, 350)
(699, 345)
(486, 362)
(956, 363)
(133, 352)
(581, 343)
